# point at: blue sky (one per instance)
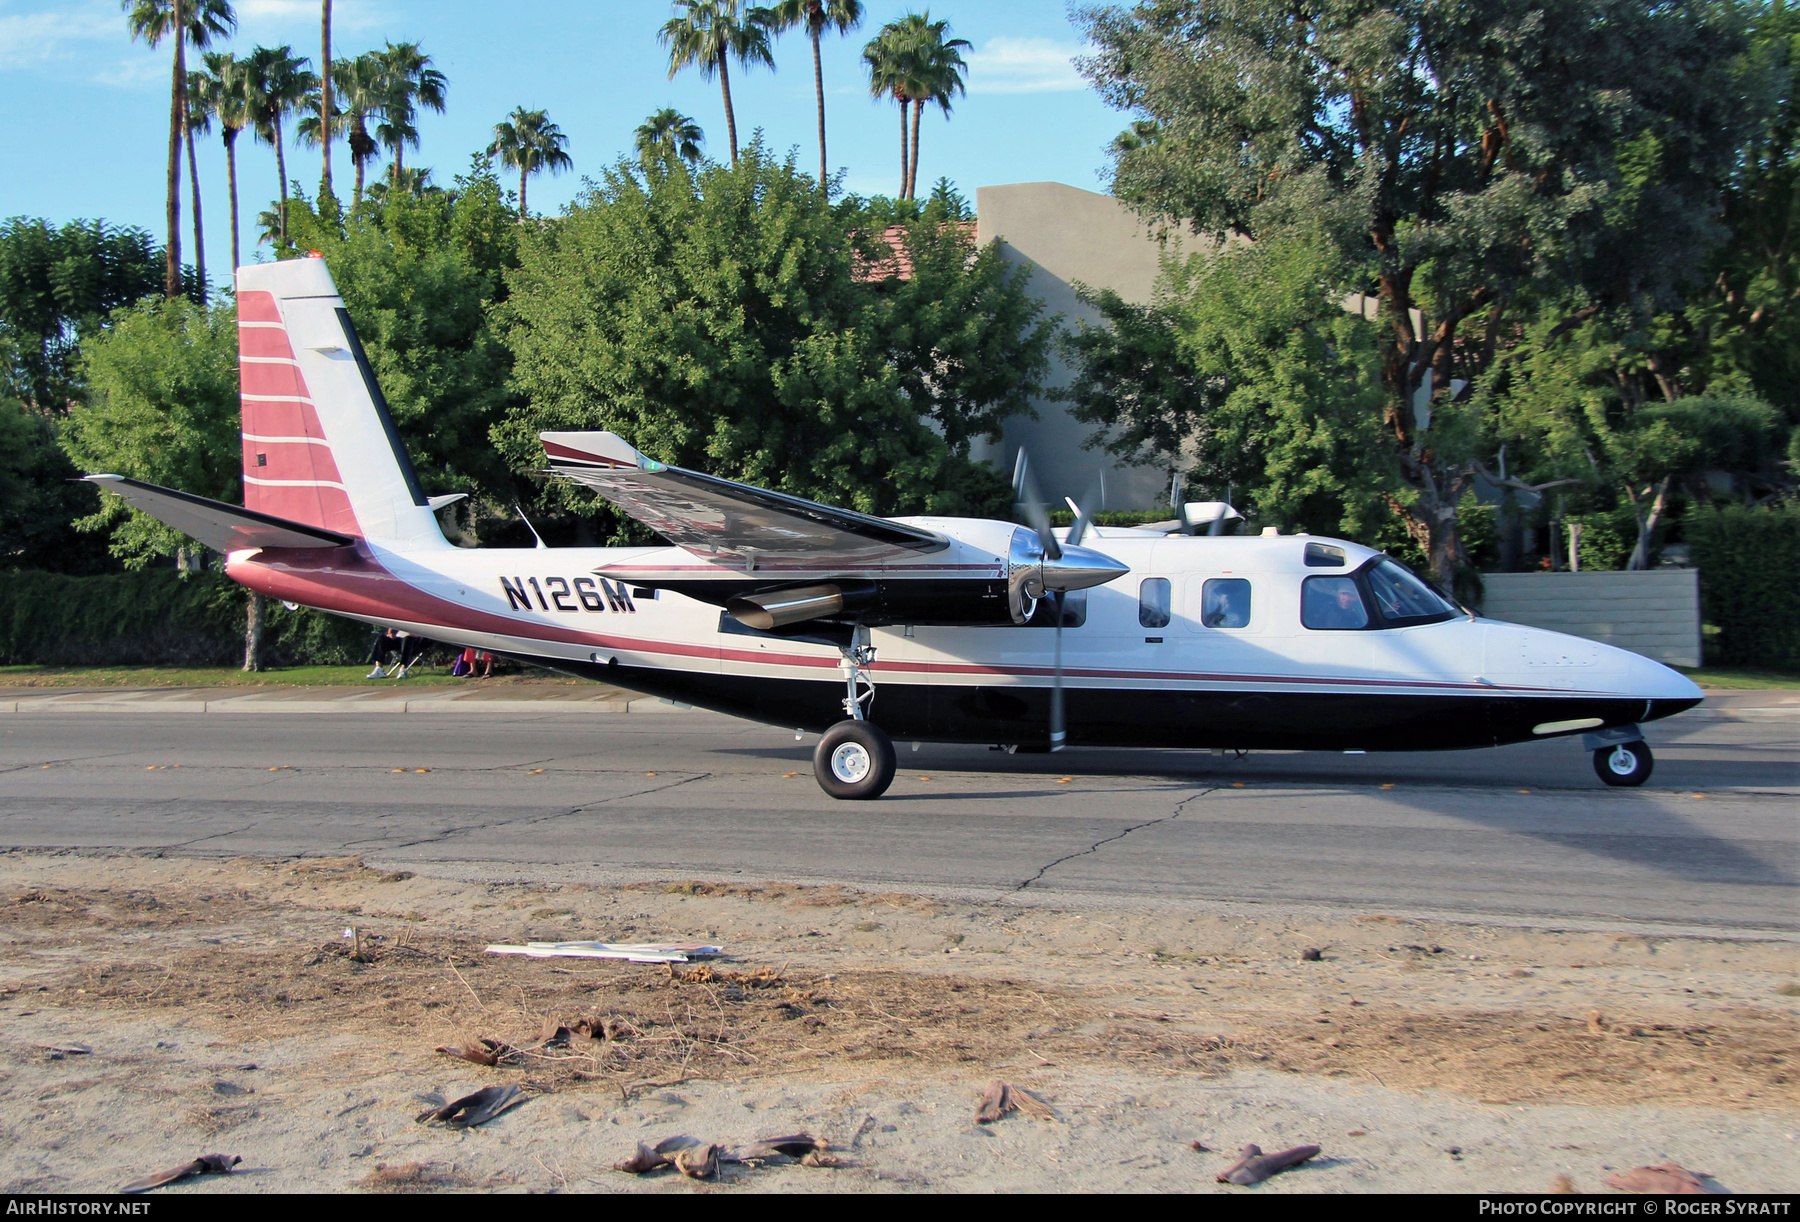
(87, 109)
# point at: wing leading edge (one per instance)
(721, 519)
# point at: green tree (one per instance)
(421, 275)
(716, 319)
(200, 21)
(937, 76)
(1243, 374)
(816, 17)
(708, 35)
(1473, 162)
(527, 141)
(162, 406)
(276, 84)
(668, 134)
(57, 287)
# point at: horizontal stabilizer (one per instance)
(716, 517)
(222, 527)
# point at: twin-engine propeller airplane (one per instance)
(776, 609)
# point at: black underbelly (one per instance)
(1306, 721)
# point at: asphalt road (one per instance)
(1520, 832)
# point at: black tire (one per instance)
(855, 761)
(1624, 764)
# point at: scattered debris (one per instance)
(1003, 1097)
(1664, 1179)
(557, 1033)
(412, 1177)
(1596, 1024)
(1253, 1166)
(57, 1052)
(470, 1110)
(692, 1157)
(633, 952)
(206, 1164)
(701, 1160)
(804, 1148)
(486, 1052)
(1562, 1185)
(1311, 954)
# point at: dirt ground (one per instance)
(223, 1009)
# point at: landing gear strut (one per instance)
(855, 759)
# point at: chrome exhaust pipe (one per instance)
(777, 608)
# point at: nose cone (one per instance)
(1654, 681)
(1081, 567)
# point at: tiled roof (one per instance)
(897, 265)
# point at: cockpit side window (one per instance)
(1225, 603)
(1332, 603)
(1402, 598)
(1153, 602)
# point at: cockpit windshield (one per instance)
(1401, 598)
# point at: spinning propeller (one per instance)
(1064, 566)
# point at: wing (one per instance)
(720, 519)
(222, 527)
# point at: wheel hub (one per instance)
(851, 762)
(1622, 760)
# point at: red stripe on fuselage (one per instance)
(354, 582)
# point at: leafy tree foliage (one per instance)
(57, 285)
(162, 406)
(1472, 163)
(717, 319)
(421, 275)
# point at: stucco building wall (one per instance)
(1068, 236)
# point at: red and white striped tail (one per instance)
(319, 445)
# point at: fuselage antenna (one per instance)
(528, 525)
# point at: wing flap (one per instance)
(222, 527)
(720, 518)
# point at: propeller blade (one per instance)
(1058, 732)
(1031, 506)
(1084, 520)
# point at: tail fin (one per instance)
(319, 446)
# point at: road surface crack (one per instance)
(1100, 844)
(527, 820)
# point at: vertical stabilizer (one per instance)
(319, 445)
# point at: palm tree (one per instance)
(325, 97)
(199, 21)
(411, 180)
(219, 90)
(409, 82)
(359, 86)
(278, 82)
(668, 134)
(818, 16)
(937, 76)
(893, 73)
(528, 142)
(708, 34)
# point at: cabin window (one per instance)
(1332, 603)
(1153, 602)
(1225, 603)
(1324, 556)
(1074, 611)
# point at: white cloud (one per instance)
(1024, 65)
(35, 38)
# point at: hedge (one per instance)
(156, 617)
(1749, 562)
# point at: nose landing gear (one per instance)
(1624, 763)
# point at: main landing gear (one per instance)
(1624, 763)
(855, 759)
